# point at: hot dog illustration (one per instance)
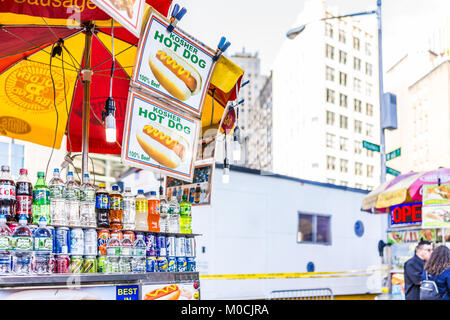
(124, 5)
(171, 292)
(179, 78)
(163, 145)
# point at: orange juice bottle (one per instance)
(153, 212)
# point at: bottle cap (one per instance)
(140, 191)
(42, 220)
(23, 171)
(40, 174)
(86, 175)
(56, 170)
(2, 216)
(115, 187)
(5, 168)
(22, 218)
(70, 173)
(102, 185)
(128, 189)
(153, 193)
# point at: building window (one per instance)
(369, 171)
(368, 49)
(330, 95)
(343, 79)
(368, 89)
(329, 73)
(329, 51)
(356, 43)
(369, 109)
(358, 169)
(369, 153)
(357, 105)
(343, 122)
(343, 144)
(358, 186)
(357, 64)
(357, 85)
(342, 36)
(344, 165)
(369, 69)
(344, 183)
(342, 57)
(369, 130)
(328, 30)
(343, 100)
(358, 147)
(314, 228)
(330, 140)
(358, 126)
(331, 181)
(330, 118)
(331, 163)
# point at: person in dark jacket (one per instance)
(414, 268)
(437, 269)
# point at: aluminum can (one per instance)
(171, 264)
(62, 240)
(76, 241)
(180, 246)
(76, 264)
(53, 233)
(191, 265)
(170, 246)
(150, 264)
(150, 241)
(103, 237)
(190, 247)
(181, 264)
(90, 242)
(90, 264)
(161, 264)
(101, 264)
(62, 263)
(52, 263)
(161, 250)
(130, 235)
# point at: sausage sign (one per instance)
(173, 66)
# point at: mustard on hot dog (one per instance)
(171, 292)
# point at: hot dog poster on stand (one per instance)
(173, 66)
(182, 291)
(436, 206)
(159, 138)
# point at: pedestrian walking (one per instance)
(414, 268)
(437, 269)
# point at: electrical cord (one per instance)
(56, 111)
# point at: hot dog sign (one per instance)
(159, 138)
(173, 66)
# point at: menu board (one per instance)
(182, 291)
(436, 206)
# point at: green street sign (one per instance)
(392, 171)
(371, 146)
(394, 154)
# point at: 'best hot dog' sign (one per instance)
(159, 138)
(173, 66)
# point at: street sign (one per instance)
(394, 154)
(392, 171)
(371, 146)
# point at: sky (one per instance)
(261, 25)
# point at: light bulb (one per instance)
(236, 150)
(110, 128)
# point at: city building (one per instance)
(325, 100)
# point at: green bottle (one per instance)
(41, 200)
(185, 216)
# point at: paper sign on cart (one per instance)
(173, 66)
(129, 13)
(158, 138)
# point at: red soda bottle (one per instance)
(7, 194)
(24, 196)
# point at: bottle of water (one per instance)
(113, 254)
(163, 213)
(139, 258)
(22, 247)
(87, 203)
(57, 202)
(71, 197)
(174, 214)
(43, 246)
(5, 246)
(126, 254)
(129, 210)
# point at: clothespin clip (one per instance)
(240, 102)
(57, 49)
(221, 48)
(245, 83)
(177, 14)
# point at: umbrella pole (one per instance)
(86, 73)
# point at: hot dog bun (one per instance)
(166, 147)
(179, 78)
(171, 292)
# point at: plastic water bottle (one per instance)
(41, 199)
(185, 216)
(22, 247)
(141, 211)
(87, 203)
(129, 210)
(71, 196)
(139, 258)
(174, 214)
(5, 246)
(126, 254)
(163, 213)
(43, 246)
(113, 250)
(57, 203)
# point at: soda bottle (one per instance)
(185, 216)
(41, 199)
(163, 212)
(87, 203)
(138, 262)
(102, 206)
(113, 250)
(141, 211)
(22, 247)
(5, 246)
(115, 208)
(126, 254)
(72, 199)
(57, 202)
(197, 193)
(129, 210)
(7, 194)
(179, 194)
(24, 196)
(174, 214)
(153, 212)
(43, 246)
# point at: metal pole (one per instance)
(86, 100)
(381, 91)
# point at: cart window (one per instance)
(314, 228)
(305, 228)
